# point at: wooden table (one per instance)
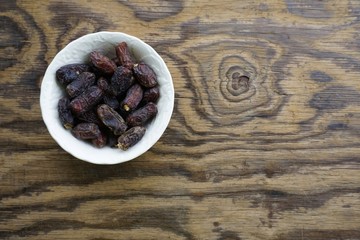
(263, 142)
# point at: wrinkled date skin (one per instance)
(102, 63)
(151, 95)
(124, 55)
(133, 97)
(88, 99)
(111, 101)
(122, 80)
(65, 115)
(90, 117)
(111, 119)
(142, 115)
(76, 87)
(131, 137)
(68, 73)
(86, 131)
(103, 84)
(145, 75)
(100, 141)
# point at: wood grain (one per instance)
(263, 142)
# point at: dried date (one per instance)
(85, 101)
(142, 115)
(100, 141)
(65, 115)
(121, 81)
(124, 56)
(111, 101)
(111, 119)
(103, 84)
(131, 137)
(145, 75)
(86, 131)
(76, 87)
(102, 63)
(68, 73)
(90, 117)
(151, 95)
(132, 98)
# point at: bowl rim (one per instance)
(52, 128)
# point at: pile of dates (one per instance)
(108, 101)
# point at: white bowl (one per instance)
(78, 52)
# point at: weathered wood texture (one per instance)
(272, 156)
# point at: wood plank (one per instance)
(272, 155)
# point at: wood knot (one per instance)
(240, 82)
(238, 78)
(233, 79)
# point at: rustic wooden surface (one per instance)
(275, 156)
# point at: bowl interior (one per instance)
(78, 52)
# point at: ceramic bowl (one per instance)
(78, 52)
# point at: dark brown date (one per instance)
(102, 63)
(131, 137)
(76, 87)
(68, 73)
(124, 55)
(121, 80)
(89, 117)
(111, 101)
(142, 115)
(65, 115)
(85, 101)
(103, 84)
(86, 131)
(116, 61)
(100, 141)
(132, 98)
(145, 75)
(151, 95)
(111, 119)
